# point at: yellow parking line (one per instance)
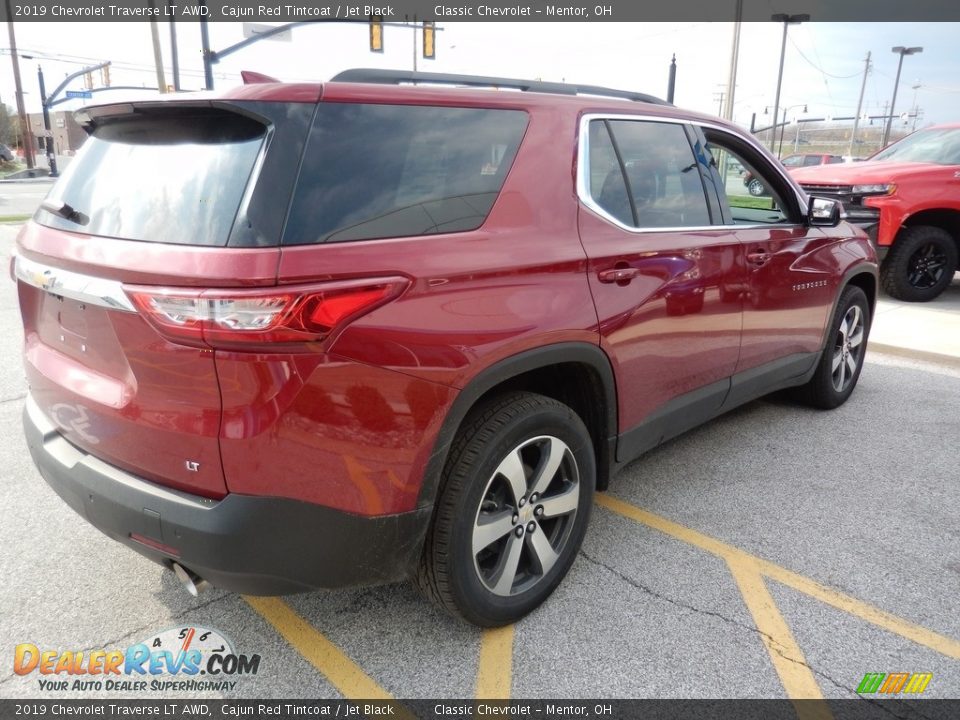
(785, 653)
(865, 611)
(342, 672)
(495, 667)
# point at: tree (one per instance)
(8, 126)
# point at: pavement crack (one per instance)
(772, 642)
(21, 396)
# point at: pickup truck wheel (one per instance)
(920, 265)
(839, 369)
(514, 505)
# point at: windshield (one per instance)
(936, 145)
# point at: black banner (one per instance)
(861, 709)
(470, 10)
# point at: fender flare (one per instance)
(510, 367)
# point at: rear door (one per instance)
(660, 271)
(156, 199)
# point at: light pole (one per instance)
(787, 20)
(896, 83)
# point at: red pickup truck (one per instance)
(907, 198)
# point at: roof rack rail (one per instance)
(396, 77)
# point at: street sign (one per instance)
(254, 29)
(79, 94)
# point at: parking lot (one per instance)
(778, 552)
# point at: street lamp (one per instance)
(783, 126)
(896, 83)
(787, 20)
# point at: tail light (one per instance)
(247, 319)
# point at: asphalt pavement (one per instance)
(776, 552)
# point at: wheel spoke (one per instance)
(554, 451)
(843, 376)
(543, 553)
(837, 359)
(512, 469)
(507, 572)
(843, 330)
(491, 528)
(562, 504)
(856, 338)
(851, 364)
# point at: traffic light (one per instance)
(105, 76)
(376, 33)
(88, 80)
(429, 41)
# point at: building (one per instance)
(68, 136)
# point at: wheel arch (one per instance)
(865, 276)
(575, 373)
(944, 218)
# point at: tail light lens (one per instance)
(249, 319)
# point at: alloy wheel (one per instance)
(526, 515)
(848, 348)
(926, 266)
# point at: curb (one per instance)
(36, 181)
(912, 354)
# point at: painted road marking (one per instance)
(342, 672)
(495, 668)
(864, 611)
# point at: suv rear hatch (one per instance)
(164, 198)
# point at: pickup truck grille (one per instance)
(843, 193)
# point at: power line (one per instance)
(817, 67)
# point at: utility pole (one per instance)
(856, 120)
(787, 21)
(157, 54)
(174, 52)
(896, 83)
(205, 48)
(734, 58)
(25, 134)
(672, 78)
(48, 140)
(720, 95)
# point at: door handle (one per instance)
(758, 257)
(620, 275)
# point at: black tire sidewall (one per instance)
(852, 295)
(474, 601)
(896, 267)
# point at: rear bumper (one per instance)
(243, 543)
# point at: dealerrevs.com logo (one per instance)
(188, 659)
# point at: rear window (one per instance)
(174, 177)
(374, 171)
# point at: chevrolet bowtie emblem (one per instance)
(42, 279)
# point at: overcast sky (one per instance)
(824, 61)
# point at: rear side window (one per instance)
(376, 171)
(171, 177)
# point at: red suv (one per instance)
(308, 336)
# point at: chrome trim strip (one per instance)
(583, 176)
(76, 286)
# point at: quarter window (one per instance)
(644, 174)
(377, 171)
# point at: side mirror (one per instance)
(823, 212)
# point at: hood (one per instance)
(862, 173)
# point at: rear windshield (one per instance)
(374, 171)
(176, 177)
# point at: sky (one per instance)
(824, 62)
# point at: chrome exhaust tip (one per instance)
(192, 583)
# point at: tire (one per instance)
(920, 265)
(756, 188)
(523, 551)
(839, 368)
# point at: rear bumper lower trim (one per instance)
(248, 544)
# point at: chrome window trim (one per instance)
(76, 286)
(583, 176)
